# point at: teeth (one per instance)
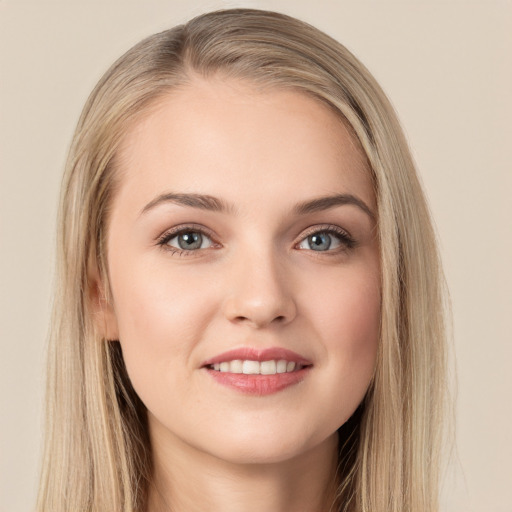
(281, 366)
(268, 367)
(236, 366)
(249, 367)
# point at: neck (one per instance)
(191, 481)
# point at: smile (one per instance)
(249, 367)
(258, 372)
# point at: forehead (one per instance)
(227, 138)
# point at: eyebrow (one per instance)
(327, 202)
(214, 204)
(201, 201)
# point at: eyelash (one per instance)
(169, 235)
(346, 241)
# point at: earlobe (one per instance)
(102, 308)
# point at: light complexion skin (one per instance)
(221, 238)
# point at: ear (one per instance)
(102, 309)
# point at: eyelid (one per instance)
(320, 228)
(346, 239)
(163, 239)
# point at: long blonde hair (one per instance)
(97, 454)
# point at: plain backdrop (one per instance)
(447, 68)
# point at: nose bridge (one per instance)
(259, 291)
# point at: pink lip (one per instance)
(252, 354)
(258, 384)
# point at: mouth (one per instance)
(258, 372)
(249, 367)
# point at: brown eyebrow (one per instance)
(211, 203)
(201, 201)
(324, 203)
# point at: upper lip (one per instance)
(254, 354)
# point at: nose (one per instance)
(259, 292)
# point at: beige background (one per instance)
(447, 67)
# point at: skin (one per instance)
(256, 281)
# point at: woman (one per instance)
(250, 311)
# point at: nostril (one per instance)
(277, 319)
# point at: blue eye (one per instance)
(319, 241)
(186, 240)
(327, 240)
(189, 239)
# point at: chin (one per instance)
(264, 447)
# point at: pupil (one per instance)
(190, 240)
(320, 241)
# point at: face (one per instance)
(244, 271)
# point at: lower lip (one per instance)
(259, 384)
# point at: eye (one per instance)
(329, 239)
(185, 240)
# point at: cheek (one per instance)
(347, 319)
(160, 319)
(149, 299)
(347, 306)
